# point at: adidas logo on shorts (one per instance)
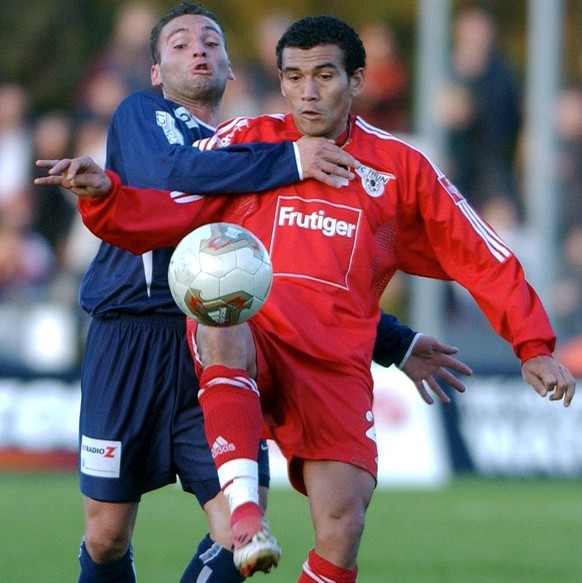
(221, 446)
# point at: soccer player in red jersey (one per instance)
(304, 359)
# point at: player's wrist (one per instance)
(298, 160)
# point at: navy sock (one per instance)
(211, 564)
(117, 571)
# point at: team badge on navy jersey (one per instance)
(373, 181)
(168, 124)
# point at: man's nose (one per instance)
(199, 49)
(309, 90)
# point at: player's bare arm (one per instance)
(323, 160)
(548, 376)
(82, 176)
(430, 359)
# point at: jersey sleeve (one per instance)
(145, 139)
(393, 339)
(141, 219)
(441, 236)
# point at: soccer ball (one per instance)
(220, 274)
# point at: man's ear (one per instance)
(155, 75)
(230, 73)
(357, 81)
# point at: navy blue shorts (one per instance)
(140, 422)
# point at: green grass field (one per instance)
(473, 531)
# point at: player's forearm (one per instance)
(135, 219)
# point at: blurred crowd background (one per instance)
(65, 65)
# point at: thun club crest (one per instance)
(373, 181)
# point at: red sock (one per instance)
(246, 520)
(232, 413)
(316, 568)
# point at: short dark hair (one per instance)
(314, 31)
(178, 10)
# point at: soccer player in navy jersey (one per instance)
(138, 389)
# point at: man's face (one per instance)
(193, 63)
(318, 90)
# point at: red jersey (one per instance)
(334, 250)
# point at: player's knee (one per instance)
(341, 529)
(105, 544)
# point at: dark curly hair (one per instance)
(178, 10)
(314, 31)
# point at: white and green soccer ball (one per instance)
(220, 274)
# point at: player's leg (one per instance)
(230, 401)
(213, 561)
(106, 553)
(127, 400)
(339, 495)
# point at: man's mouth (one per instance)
(311, 114)
(202, 68)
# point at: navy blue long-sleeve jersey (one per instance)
(150, 144)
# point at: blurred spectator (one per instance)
(54, 208)
(480, 109)
(569, 129)
(104, 93)
(568, 290)
(384, 99)
(263, 73)
(120, 68)
(125, 57)
(15, 142)
(25, 258)
(240, 98)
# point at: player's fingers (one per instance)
(48, 180)
(563, 388)
(424, 394)
(78, 167)
(59, 166)
(330, 150)
(456, 365)
(452, 380)
(342, 158)
(443, 348)
(535, 381)
(437, 390)
(331, 179)
(87, 181)
(46, 163)
(335, 170)
(569, 395)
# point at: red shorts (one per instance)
(311, 409)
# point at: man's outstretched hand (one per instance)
(430, 359)
(549, 377)
(82, 176)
